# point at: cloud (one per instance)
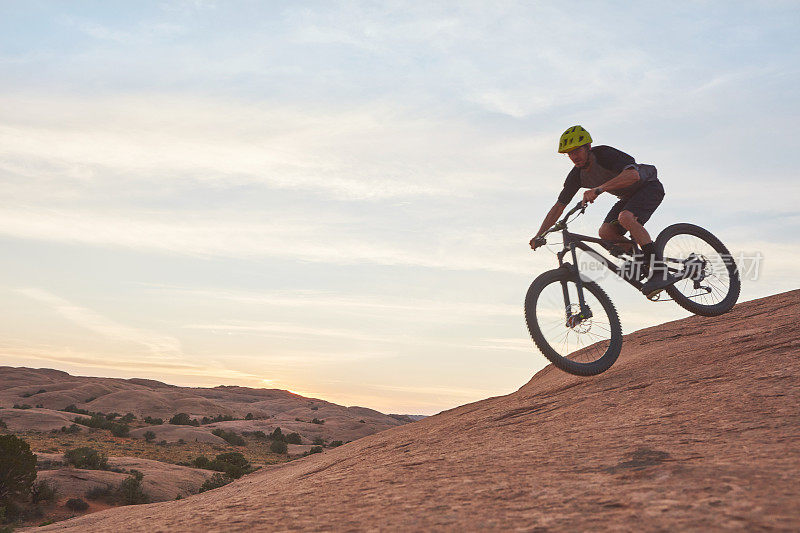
(159, 346)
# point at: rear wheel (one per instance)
(710, 281)
(581, 346)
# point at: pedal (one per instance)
(655, 295)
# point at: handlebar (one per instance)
(561, 224)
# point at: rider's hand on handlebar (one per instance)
(537, 242)
(589, 196)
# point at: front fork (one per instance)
(585, 313)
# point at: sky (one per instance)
(336, 198)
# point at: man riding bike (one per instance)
(606, 169)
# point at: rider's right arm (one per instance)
(552, 217)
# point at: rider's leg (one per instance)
(615, 233)
(629, 221)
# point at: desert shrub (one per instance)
(128, 418)
(315, 408)
(214, 482)
(234, 464)
(182, 419)
(293, 438)
(317, 421)
(248, 416)
(87, 458)
(97, 420)
(71, 408)
(23, 406)
(130, 490)
(231, 437)
(335, 443)
(297, 420)
(71, 430)
(218, 418)
(77, 505)
(40, 406)
(319, 441)
(153, 421)
(120, 430)
(43, 491)
(163, 442)
(278, 446)
(277, 434)
(362, 421)
(202, 462)
(112, 416)
(3, 424)
(315, 449)
(90, 399)
(149, 436)
(100, 493)
(260, 435)
(17, 469)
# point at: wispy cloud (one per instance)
(160, 346)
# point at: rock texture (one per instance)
(696, 427)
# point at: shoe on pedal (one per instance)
(660, 278)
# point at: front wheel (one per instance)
(581, 346)
(709, 284)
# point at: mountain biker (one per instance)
(606, 169)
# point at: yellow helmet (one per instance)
(572, 138)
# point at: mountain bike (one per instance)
(573, 321)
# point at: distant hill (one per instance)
(48, 392)
(695, 428)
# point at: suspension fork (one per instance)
(585, 311)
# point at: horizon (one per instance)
(337, 199)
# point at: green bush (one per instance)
(120, 430)
(260, 435)
(77, 505)
(233, 464)
(149, 436)
(153, 421)
(17, 469)
(130, 490)
(214, 482)
(315, 449)
(112, 416)
(182, 419)
(277, 434)
(317, 421)
(278, 446)
(248, 416)
(71, 430)
(293, 438)
(87, 458)
(128, 418)
(100, 493)
(43, 491)
(335, 444)
(231, 437)
(319, 441)
(23, 406)
(71, 408)
(202, 462)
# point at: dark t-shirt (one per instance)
(606, 163)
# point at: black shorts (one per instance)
(642, 204)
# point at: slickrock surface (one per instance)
(695, 427)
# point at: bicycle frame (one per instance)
(575, 241)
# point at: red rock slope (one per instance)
(696, 427)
